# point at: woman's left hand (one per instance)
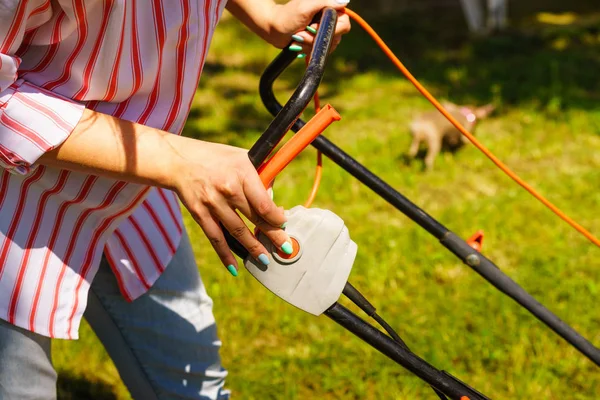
(290, 20)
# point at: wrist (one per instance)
(172, 165)
(261, 16)
(274, 29)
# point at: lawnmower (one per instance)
(316, 274)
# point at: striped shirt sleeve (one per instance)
(32, 120)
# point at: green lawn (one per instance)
(545, 81)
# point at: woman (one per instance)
(90, 177)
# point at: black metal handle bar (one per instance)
(295, 106)
(483, 266)
(288, 114)
(285, 118)
(440, 380)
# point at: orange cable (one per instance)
(317, 182)
(319, 168)
(458, 126)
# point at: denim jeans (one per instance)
(164, 344)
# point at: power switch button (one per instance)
(283, 258)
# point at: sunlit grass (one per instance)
(445, 312)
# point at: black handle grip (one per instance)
(296, 104)
(268, 78)
(288, 114)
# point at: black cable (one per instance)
(389, 330)
(401, 342)
(361, 301)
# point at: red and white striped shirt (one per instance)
(136, 60)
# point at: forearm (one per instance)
(107, 146)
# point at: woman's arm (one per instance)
(212, 180)
(276, 23)
(107, 146)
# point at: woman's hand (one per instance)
(215, 180)
(212, 180)
(279, 24)
(289, 21)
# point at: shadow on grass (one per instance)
(553, 68)
(72, 387)
(550, 68)
(552, 65)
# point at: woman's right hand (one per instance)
(213, 181)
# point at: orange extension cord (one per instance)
(458, 126)
(319, 169)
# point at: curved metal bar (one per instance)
(268, 78)
(306, 89)
(337, 155)
(483, 266)
(295, 106)
(441, 380)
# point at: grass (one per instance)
(544, 79)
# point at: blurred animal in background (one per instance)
(436, 132)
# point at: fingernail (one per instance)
(295, 47)
(263, 258)
(311, 30)
(298, 38)
(342, 1)
(287, 248)
(284, 225)
(232, 270)
(302, 55)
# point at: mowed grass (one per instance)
(544, 80)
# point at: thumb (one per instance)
(318, 5)
(338, 4)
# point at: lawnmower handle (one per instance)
(265, 87)
(287, 115)
(296, 104)
(485, 267)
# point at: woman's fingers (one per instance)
(240, 232)
(275, 233)
(336, 41)
(259, 200)
(262, 211)
(215, 236)
(303, 38)
(343, 25)
(303, 41)
(314, 6)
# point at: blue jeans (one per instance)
(164, 344)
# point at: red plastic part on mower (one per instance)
(476, 241)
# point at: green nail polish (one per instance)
(232, 270)
(301, 55)
(311, 30)
(284, 225)
(295, 47)
(298, 38)
(287, 248)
